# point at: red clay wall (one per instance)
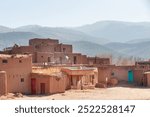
(138, 75)
(103, 73)
(148, 80)
(42, 57)
(37, 41)
(78, 57)
(38, 85)
(62, 58)
(18, 70)
(22, 50)
(52, 84)
(57, 85)
(66, 48)
(3, 83)
(84, 59)
(119, 72)
(97, 60)
(43, 45)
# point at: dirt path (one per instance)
(120, 92)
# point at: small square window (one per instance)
(20, 61)
(22, 79)
(112, 74)
(4, 61)
(64, 49)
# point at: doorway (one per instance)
(33, 86)
(130, 76)
(49, 59)
(144, 81)
(42, 85)
(75, 60)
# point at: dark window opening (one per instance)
(22, 79)
(112, 74)
(71, 80)
(49, 59)
(41, 56)
(4, 61)
(20, 61)
(64, 49)
(75, 60)
(36, 46)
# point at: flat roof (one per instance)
(13, 56)
(55, 75)
(80, 68)
(148, 72)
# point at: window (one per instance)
(64, 49)
(36, 46)
(20, 61)
(49, 59)
(4, 61)
(41, 56)
(112, 74)
(22, 79)
(75, 60)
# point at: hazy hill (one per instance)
(4, 29)
(138, 40)
(90, 48)
(63, 34)
(89, 39)
(140, 49)
(117, 31)
(10, 38)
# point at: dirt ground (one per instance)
(121, 92)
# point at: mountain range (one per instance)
(105, 37)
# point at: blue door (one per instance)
(130, 76)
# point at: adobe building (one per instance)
(141, 69)
(14, 73)
(50, 51)
(137, 74)
(80, 77)
(143, 65)
(16, 49)
(98, 61)
(121, 73)
(43, 57)
(146, 79)
(44, 83)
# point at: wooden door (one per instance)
(33, 86)
(42, 88)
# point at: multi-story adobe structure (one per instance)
(143, 64)
(16, 76)
(50, 51)
(14, 73)
(98, 61)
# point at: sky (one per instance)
(71, 13)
